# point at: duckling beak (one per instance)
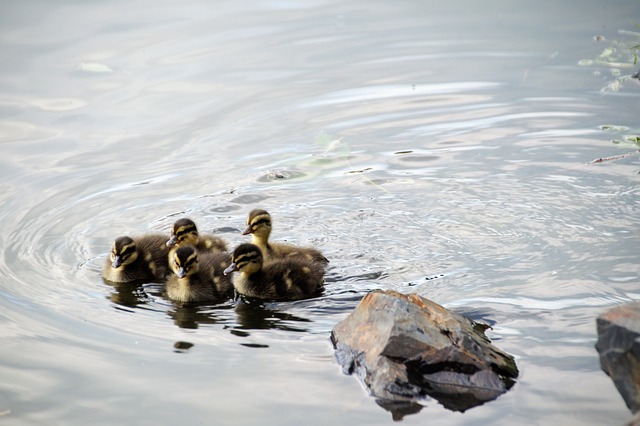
(117, 262)
(172, 241)
(248, 230)
(230, 269)
(181, 273)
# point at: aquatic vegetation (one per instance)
(616, 56)
(624, 140)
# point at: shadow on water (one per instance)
(250, 314)
(127, 296)
(193, 316)
(399, 409)
(260, 315)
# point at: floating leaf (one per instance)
(613, 128)
(633, 138)
(609, 51)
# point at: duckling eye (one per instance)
(259, 223)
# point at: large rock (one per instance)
(619, 348)
(405, 348)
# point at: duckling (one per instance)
(259, 226)
(198, 275)
(281, 279)
(142, 258)
(184, 232)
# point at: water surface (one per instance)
(427, 147)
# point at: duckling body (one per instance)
(259, 226)
(199, 276)
(142, 258)
(280, 279)
(184, 232)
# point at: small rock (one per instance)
(619, 348)
(405, 348)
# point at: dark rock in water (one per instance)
(405, 348)
(635, 421)
(619, 348)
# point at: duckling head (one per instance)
(184, 261)
(258, 223)
(183, 232)
(123, 252)
(247, 258)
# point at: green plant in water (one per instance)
(619, 54)
(626, 141)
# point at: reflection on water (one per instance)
(193, 317)
(257, 315)
(127, 295)
(182, 347)
(421, 156)
(249, 314)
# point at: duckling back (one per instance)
(282, 279)
(277, 251)
(259, 225)
(198, 276)
(141, 258)
(293, 278)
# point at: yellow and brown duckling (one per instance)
(142, 258)
(259, 226)
(184, 232)
(198, 276)
(281, 279)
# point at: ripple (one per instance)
(12, 131)
(279, 175)
(369, 93)
(61, 104)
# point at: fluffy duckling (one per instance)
(282, 279)
(184, 232)
(259, 226)
(142, 258)
(198, 275)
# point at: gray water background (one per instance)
(440, 148)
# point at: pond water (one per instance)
(440, 148)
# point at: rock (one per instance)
(619, 348)
(635, 421)
(405, 348)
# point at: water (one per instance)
(428, 147)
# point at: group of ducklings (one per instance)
(197, 267)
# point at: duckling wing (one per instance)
(211, 243)
(286, 251)
(294, 279)
(212, 266)
(155, 253)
